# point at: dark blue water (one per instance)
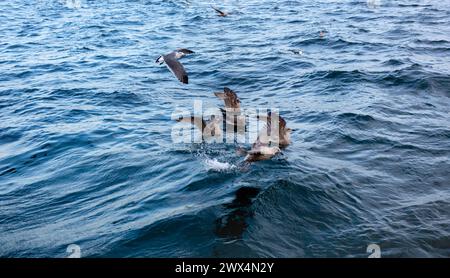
(86, 155)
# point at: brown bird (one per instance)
(269, 140)
(273, 134)
(209, 129)
(234, 119)
(261, 151)
(220, 13)
(232, 102)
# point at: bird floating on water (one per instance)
(263, 149)
(279, 133)
(171, 61)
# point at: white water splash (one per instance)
(215, 165)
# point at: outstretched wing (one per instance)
(230, 99)
(176, 68)
(258, 143)
(185, 50)
(219, 11)
(268, 119)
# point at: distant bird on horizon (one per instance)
(220, 13)
(171, 61)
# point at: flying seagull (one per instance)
(220, 13)
(174, 65)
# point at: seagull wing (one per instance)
(185, 51)
(176, 68)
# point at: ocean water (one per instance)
(87, 158)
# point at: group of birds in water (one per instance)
(271, 139)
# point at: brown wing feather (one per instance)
(219, 11)
(230, 98)
(268, 120)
